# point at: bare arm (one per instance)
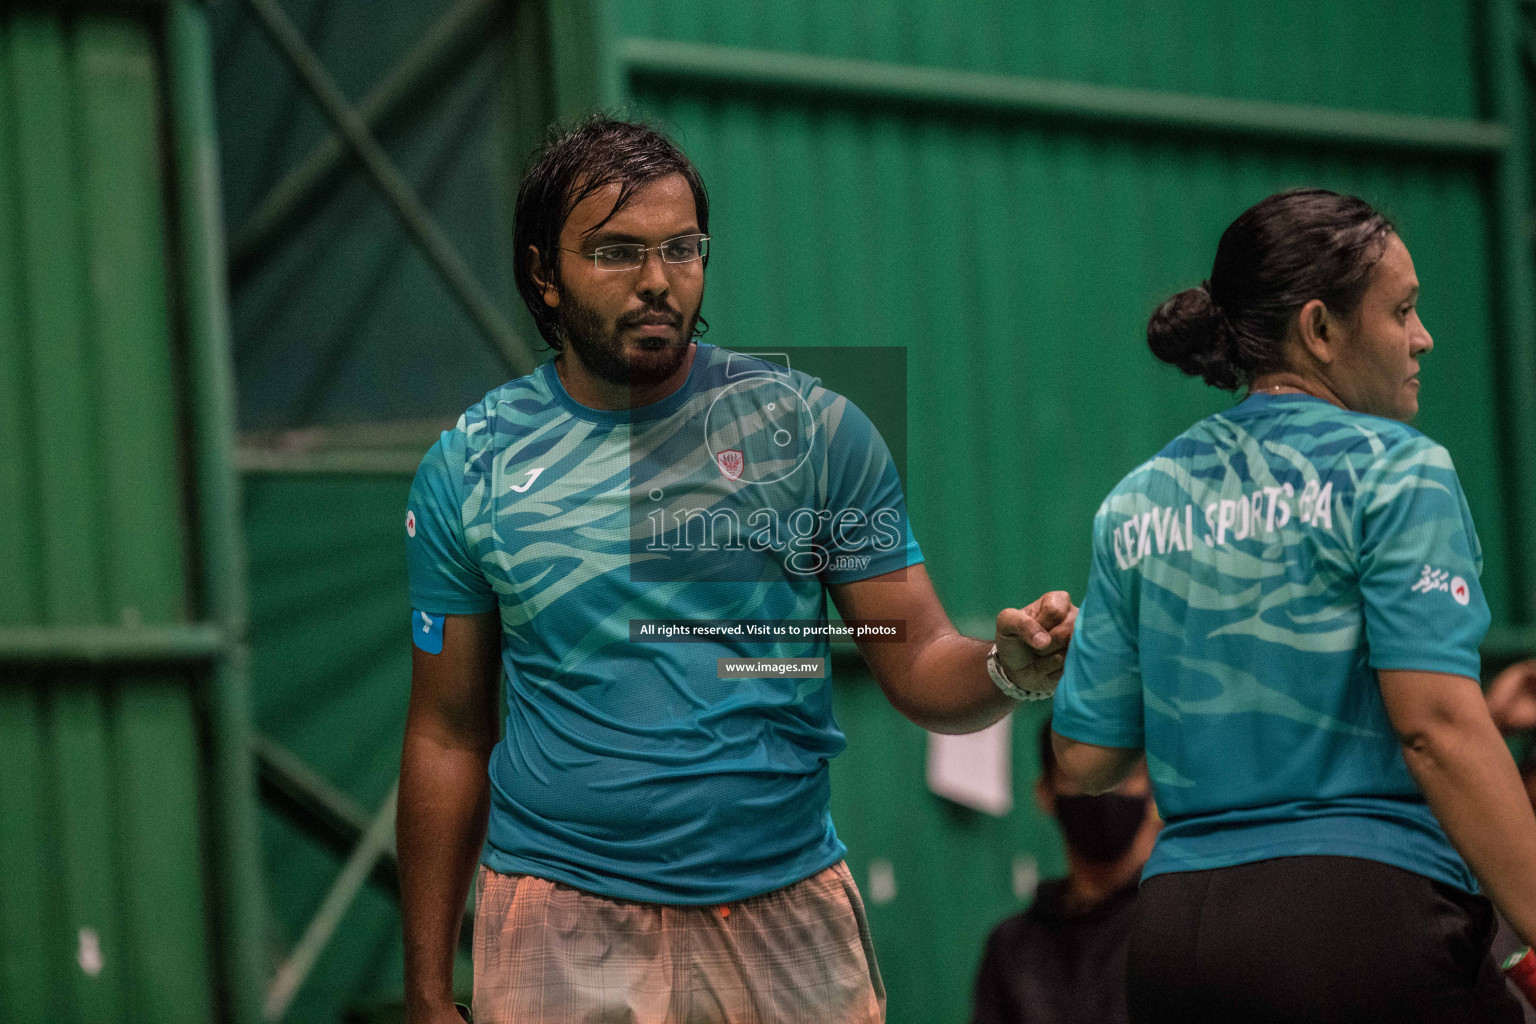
(1454, 753)
(937, 677)
(450, 730)
(1096, 769)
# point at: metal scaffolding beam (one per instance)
(450, 40)
(100, 646)
(1012, 95)
(376, 843)
(293, 789)
(200, 274)
(402, 199)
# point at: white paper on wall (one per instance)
(975, 770)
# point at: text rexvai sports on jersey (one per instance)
(1262, 512)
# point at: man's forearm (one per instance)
(938, 678)
(1470, 781)
(440, 828)
(948, 689)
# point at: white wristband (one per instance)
(1008, 686)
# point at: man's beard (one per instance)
(601, 350)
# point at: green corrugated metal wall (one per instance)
(1413, 57)
(112, 871)
(1016, 256)
(1019, 267)
(344, 277)
(1018, 259)
(332, 677)
(338, 319)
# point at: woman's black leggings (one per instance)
(1313, 940)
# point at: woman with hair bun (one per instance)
(1284, 612)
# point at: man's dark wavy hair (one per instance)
(575, 163)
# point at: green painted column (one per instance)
(1514, 198)
(120, 712)
(584, 70)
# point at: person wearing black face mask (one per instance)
(1062, 961)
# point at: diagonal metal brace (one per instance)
(293, 789)
(413, 216)
(454, 37)
(376, 843)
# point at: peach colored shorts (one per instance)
(547, 952)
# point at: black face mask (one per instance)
(1103, 827)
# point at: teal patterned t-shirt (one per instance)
(628, 768)
(1247, 584)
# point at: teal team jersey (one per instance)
(627, 768)
(1247, 584)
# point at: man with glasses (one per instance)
(652, 833)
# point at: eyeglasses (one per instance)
(631, 255)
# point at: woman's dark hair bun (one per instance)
(1278, 255)
(1190, 331)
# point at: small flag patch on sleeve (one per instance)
(427, 631)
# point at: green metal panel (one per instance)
(1409, 58)
(1511, 79)
(338, 319)
(583, 73)
(738, 69)
(106, 873)
(1019, 265)
(339, 307)
(1014, 225)
(332, 671)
